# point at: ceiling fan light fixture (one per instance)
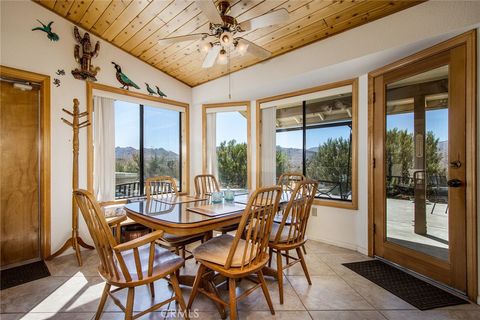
(242, 48)
(205, 47)
(226, 39)
(222, 57)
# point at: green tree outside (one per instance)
(232, 164)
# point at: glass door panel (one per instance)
(416, 147)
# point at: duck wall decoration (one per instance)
(123, 79)
(52, 36)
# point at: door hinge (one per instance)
(374, 163)
(374, 228)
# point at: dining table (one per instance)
(189, 215)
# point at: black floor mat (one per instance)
(418, 293)
(23, 274)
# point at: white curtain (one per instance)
(269, 146)
(212, 144)
(104, 148)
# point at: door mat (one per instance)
(23, 274)
(418, 293)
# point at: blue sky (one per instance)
(161, 127)
(437, 121)
(231, 125)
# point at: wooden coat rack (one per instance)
(74, 241)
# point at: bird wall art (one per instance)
(160, 93)
(52, 36)
(150, 90)
(123, 79)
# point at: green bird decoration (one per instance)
(123, 79)
(160, 93)
(48, 30)
(150, 90)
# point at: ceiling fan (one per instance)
(225, 32)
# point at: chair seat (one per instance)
(216, 251)
(164, 263)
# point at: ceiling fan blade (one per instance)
(188, 37)
(211, 56)
(268, 19)
(255, 49)
(210, 10)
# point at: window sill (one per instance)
(336, 204)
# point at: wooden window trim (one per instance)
(246, 104)
(97, 86)
(353, 205)
(45, 171)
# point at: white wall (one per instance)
(350, 54)
(31, 50)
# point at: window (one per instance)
(148, 142)
(226, 152)
(314, 134)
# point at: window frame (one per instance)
(353, 204)
(184, 140)
(225, 106)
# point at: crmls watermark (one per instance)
(178, 314)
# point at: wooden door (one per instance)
(419, 138)
(19, 175)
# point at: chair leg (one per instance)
(287, 258)
(101, 305)
(196, 284)
(303, 248)
(265, 291)
(129, 307)
(304, 265)
(178, 295)
(152, 289)
(270, 254)
(280, 275)
(232, 286)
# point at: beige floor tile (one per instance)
(320, 247)
(335, 261)
(58, 316)
(77, 294)
(315, 266)
(67, 266)
(432, 315)
(346, 315)
(256, 300)
(279, 315)
(328, 293)
(375, 295)
(164, 314)
(11, 316)
(24, 297)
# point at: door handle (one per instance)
(454, 183)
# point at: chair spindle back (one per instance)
(205, 184)
(255, 225)
(297, 212)
(160, 186)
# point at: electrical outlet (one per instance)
(314, 212)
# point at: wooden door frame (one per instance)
(45, 214)
(469, 40)
(246, 104)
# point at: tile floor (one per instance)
(336, 293)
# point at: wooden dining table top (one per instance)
(182, 218)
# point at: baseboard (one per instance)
(341, 244)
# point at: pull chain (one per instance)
(229, 76)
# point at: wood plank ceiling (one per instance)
(136, 26)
